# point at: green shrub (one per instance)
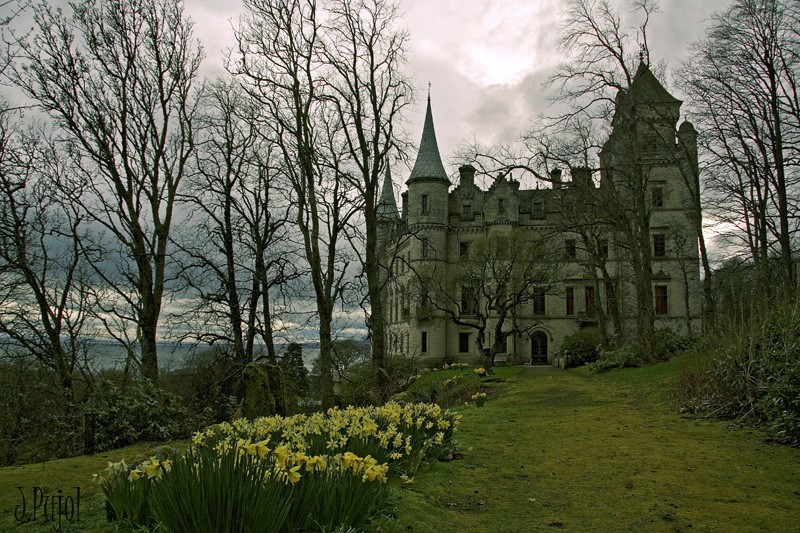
(143, 413)
(623, 357)
(667, 343)
(582, 347)
(755, 377)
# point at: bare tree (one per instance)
(369, 91)
(236, 245)
(279, 60)
(743, 85)
(43, 276)
(117, 77)
(496, 289)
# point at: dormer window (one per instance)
(501, 206)
(466, 212)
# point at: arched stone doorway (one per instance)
(538, 348)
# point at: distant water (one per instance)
(106, 354)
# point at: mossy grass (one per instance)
(66, 474)
(585, 452)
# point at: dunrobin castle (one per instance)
(588, 263)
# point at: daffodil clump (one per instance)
(403, 436)
(445, 366)
(305, 472)
(127, 487)
(479, 398)
(482, 373)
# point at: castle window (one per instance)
(537, 210)
(466, 212)
(469, 302)
(424, 204)
(424, 341)
(611, 296)
(463, 249)
(602, 248)
(570, 249)
(501, 206)
(662, 300)
(659, 245)
(463, 342)
(570, 299)
(539, 301)
(425, 248)
(424, 296)
(589, 300)
(657, 196)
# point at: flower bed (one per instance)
(305, 472)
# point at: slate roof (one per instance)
(429, 162)
(387, 207)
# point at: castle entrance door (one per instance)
(539, 348)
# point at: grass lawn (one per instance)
(550, 450)
(64, 474)
(575, 451)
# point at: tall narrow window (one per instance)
(611, 296)
(424, 341)
(539, 301)
(659, 245)
(657, 196)
(662, 300)
(425, 248)
(589, 297)
(424, 204)
(501, 206)
(570, 249)
(602, 248)
(466, 212)
(463, 249)
(469, 302)
(463, 342)
(570, 298)
(537, 210)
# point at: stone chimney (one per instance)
(555, 178)
(467, 177)
(582, 177)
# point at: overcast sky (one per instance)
(485, 59)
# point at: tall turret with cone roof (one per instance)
(387, 213)
(428, 184)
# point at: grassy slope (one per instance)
(581, 452)
(554, 450)
(65, 474)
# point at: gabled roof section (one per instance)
(645, 86)
(387, 207)
(429, 163)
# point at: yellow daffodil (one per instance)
(293, 475)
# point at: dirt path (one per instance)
(563, 450)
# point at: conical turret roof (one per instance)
(429, 163)
(387, 207)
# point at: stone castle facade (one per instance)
(584, 274)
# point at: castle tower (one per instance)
(426, 211)
(387, 213)
(428, 184)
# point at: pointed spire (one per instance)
(387, 207)
(429, 162)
